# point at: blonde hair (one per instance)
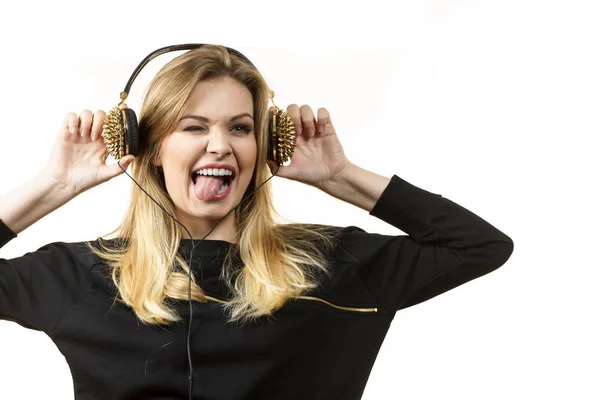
(279, 261)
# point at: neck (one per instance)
(200, 227)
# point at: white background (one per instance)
(493, 104)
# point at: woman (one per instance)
(280, 311)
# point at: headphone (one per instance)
(121, 135)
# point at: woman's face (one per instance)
(214, 136)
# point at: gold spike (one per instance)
(287, 137)
(113, 134)
(286, 134)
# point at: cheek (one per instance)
(177, 152)
(175, 160)
(246, 153)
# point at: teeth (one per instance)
(214, 172)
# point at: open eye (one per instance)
(242, 128)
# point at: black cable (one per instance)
(188, 345)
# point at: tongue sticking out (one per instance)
(206, 187)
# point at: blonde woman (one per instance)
(279, 311)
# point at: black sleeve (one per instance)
(38, 288)
(447, 245)
(6, 235)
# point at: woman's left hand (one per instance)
(318, 157)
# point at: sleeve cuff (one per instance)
(405, 206)
(6, 235)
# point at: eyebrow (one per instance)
(204, 119)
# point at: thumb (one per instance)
(284, 171)
(115, 170)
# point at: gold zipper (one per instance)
(355, 309)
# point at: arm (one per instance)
(446, 246)
(27, 204)
(37, 288)
(357, 186)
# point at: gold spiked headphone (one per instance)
(120, 131)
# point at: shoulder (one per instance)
(81, 254)
(342, 243)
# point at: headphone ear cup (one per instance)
(130, 125)
(272, 137)
(282, 137)
(113, 133)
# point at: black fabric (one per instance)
(6, 235)
(309, 350)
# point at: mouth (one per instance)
(212, 184)
(226, 180)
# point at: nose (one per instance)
(218, 142)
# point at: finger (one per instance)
(323, 119)
(85, 122)
(71, 123)
(308, 120)
(294, 112)
(98, 124)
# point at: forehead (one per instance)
(220, 97)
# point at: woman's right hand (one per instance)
(78, 157)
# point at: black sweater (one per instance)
(322, 346)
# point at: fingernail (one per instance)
(321, 127)
(72, 129)
(83, 131)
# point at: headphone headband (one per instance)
(168, 49)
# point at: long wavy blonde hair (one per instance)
(278, 261)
